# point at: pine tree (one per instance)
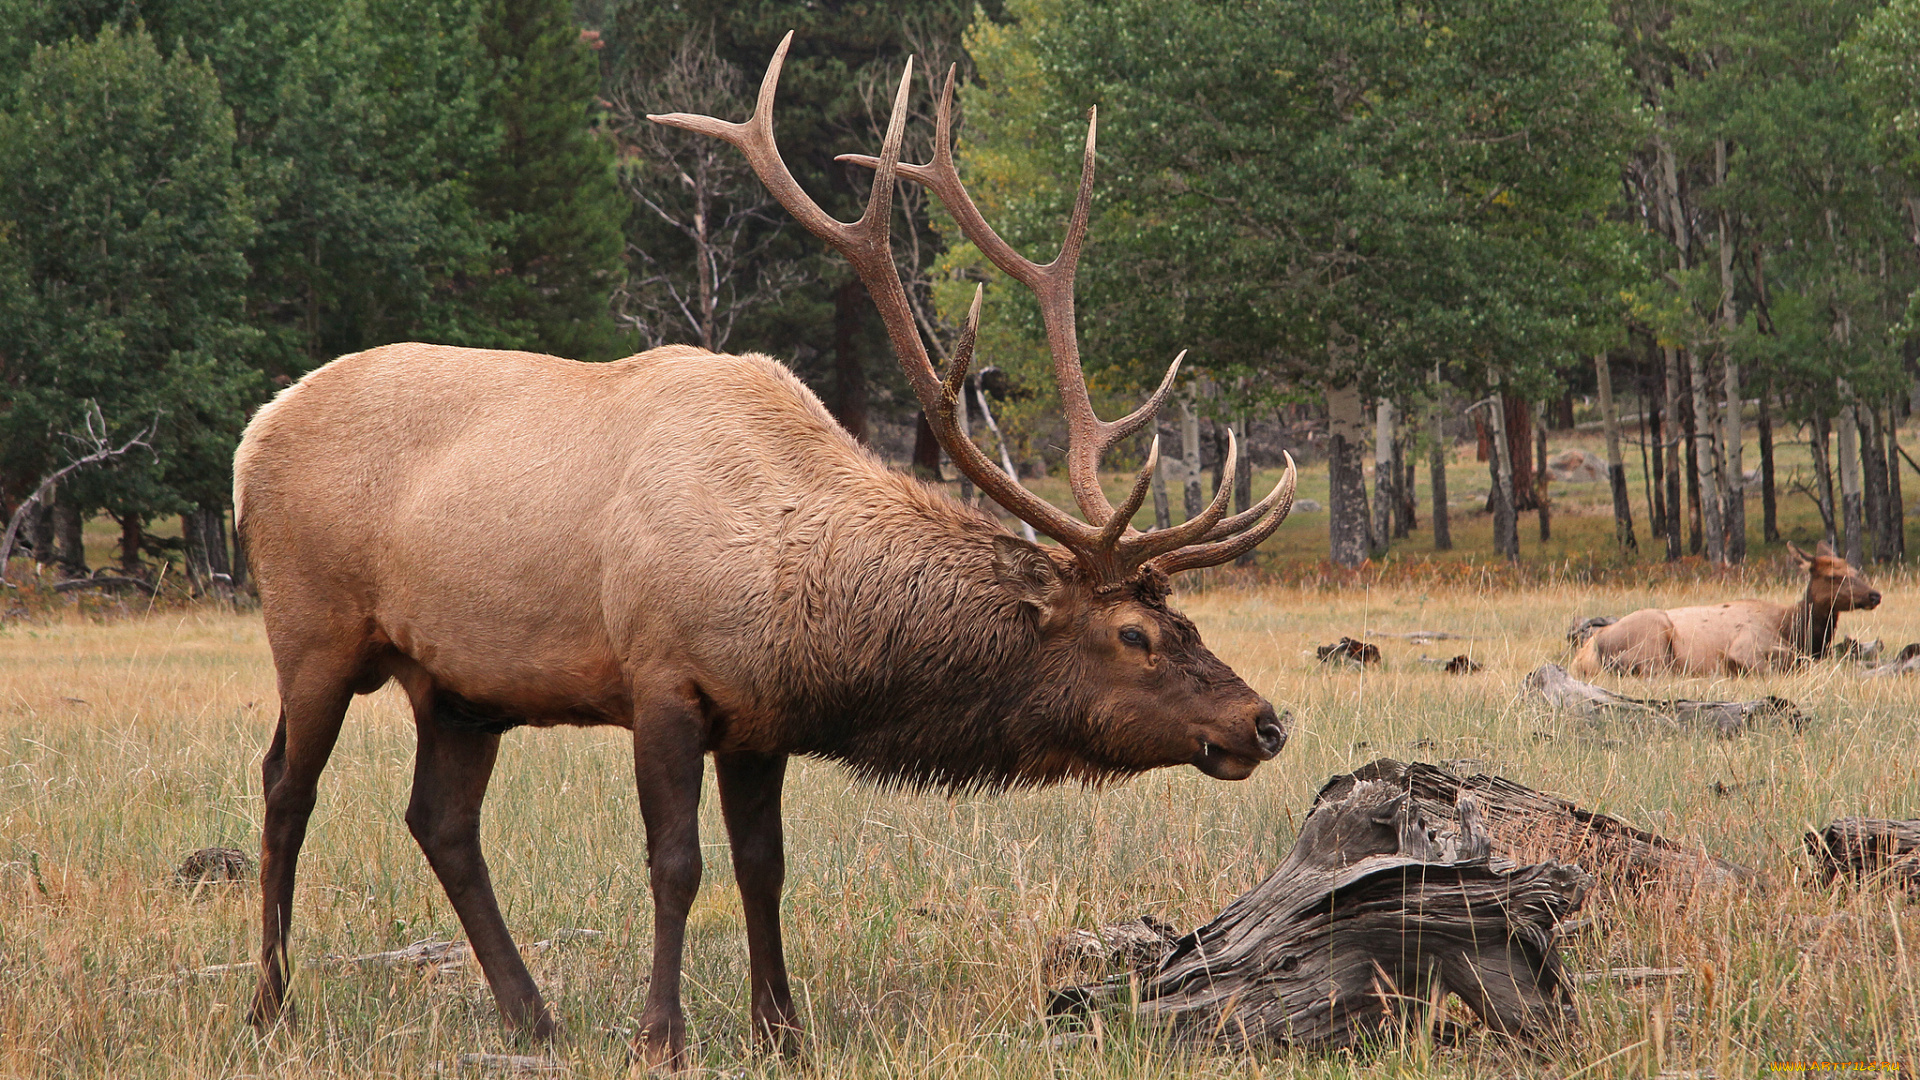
(550, 188)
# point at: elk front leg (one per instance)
(750, 801)
(450, 778)
(668, 747)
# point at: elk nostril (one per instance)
(1268, 731)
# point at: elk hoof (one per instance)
(661, 1043)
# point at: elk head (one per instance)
(1833, 583)
(1159, 696)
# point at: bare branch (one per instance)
(101, 452)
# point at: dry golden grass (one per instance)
(915, 923)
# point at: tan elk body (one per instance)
(1734, 638)
(685, 544)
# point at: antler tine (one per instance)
(1217, 552)
(1135, 550)
(1144, 415)
(867, 244)
(1110, 535)
(963, 351)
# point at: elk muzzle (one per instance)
(1263, 738)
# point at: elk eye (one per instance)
(1132, 636)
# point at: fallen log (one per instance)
(1550, 684)
(1868, 848)
(1371, 918)
(105, 581)
(1529, 826)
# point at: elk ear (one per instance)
(1803, 558)
(1025, 571)
(1824, 548)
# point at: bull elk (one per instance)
(685, 544)
(1737, 637)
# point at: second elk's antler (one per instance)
(1105, 542)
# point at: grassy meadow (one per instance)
(131, 731)
(916, 924)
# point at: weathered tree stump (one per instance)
(1372, 916)
(1528, 826)
(1352, 650)
(1551, 685)
(1864, 848)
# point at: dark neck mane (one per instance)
(915, 666)
(1810, 626)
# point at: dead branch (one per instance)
(102, 451)
(1551, 685)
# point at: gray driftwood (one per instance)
(1529, 826)
(1374, 915)
(1863, 848)
(1551, 685)
(1905, 662)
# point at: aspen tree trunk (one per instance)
(1732, 469)
(1823, 476)
(1733, 496)
(1348, 529)
(1852, 506)
(1710, 520)
(1873, 477)
(1647, 471)
(1437, 468)
(1162, 511)
(1402, 487)
(1769, 508)
(1242, 480)
(1506, 530)
(1383, 478)
(1670, 440)
(1616, 467)
(1190, 494)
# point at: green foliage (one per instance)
(1279, 178)
(550, 184)
(122, 222)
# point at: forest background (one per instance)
(1381, 230)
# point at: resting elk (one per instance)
(1737, 637)
(685, 544)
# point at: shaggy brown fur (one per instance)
(687, 545)
(1736, 637)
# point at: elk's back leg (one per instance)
(669, 747)
(315, 689)
(750, 801)
(450, 776)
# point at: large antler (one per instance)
(1105, 541)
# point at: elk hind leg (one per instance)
(314, 695)
(450, 775)
(750, 801)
